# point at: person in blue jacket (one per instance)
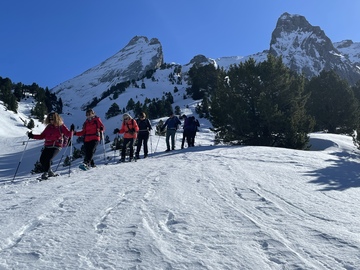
(171, 125)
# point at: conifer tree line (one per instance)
(267, 104)
(252, 103)
(45, 101)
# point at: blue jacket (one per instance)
(172, 123)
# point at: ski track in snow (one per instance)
(172, 217)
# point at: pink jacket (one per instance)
(53, 135)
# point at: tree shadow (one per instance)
(343, 174)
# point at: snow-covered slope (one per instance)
(205, 207)
(130, 63)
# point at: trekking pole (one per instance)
(22, 155)
(150, 142)
(157, 144)
(62, 157)
(103, 141)
(71, 150)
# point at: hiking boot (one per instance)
(137, 156)
(145, 155)
(92, 164)
(44, 176)
(122, 160)
(167, 150)
(52, 174)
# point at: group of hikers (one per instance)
(93, 129)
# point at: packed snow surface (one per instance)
(204, 207)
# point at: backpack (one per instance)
(192, 123)
(64, 139)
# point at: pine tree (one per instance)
(260, 104)
(332, 103)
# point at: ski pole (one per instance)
(62, 157)
(71, 150)
(22, 155)
(103, 141)
(157, 144)
(150, 142)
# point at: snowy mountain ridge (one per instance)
(130, 63)
(303, 47)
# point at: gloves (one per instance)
(101, 129)
(72, 127)
(116, 130)
(30, 135)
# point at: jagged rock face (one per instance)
(131, 62)
(350, 50)
(306, 49)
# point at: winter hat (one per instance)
(126, 115)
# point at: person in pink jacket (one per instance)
(53, 136)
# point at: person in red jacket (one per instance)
(129, 128)
(92, 131)
(53, 135)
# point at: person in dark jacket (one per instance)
(192, 126)
(92, 131)
(185, 132)
(53, 134)
(171, 125)
(143, 134)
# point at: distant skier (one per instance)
(53, 134)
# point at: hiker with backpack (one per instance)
(186, 133)
(171, 125)
(92, 131)
(53, 134)
(143, 134)
(192, 125)
(129, 128)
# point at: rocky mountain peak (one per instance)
(306, 49)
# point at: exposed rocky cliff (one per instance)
(306, 49)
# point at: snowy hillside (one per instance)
(206, 207)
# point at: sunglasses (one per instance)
(126, 118)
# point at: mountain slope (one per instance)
(130, 63)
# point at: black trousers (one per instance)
(47, 155)
(127, 141)
(142, 139)
(186, 136)
(90, 149)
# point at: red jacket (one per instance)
(53, 135)
(91, 129)
(129, 128)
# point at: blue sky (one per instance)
(49, 41)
